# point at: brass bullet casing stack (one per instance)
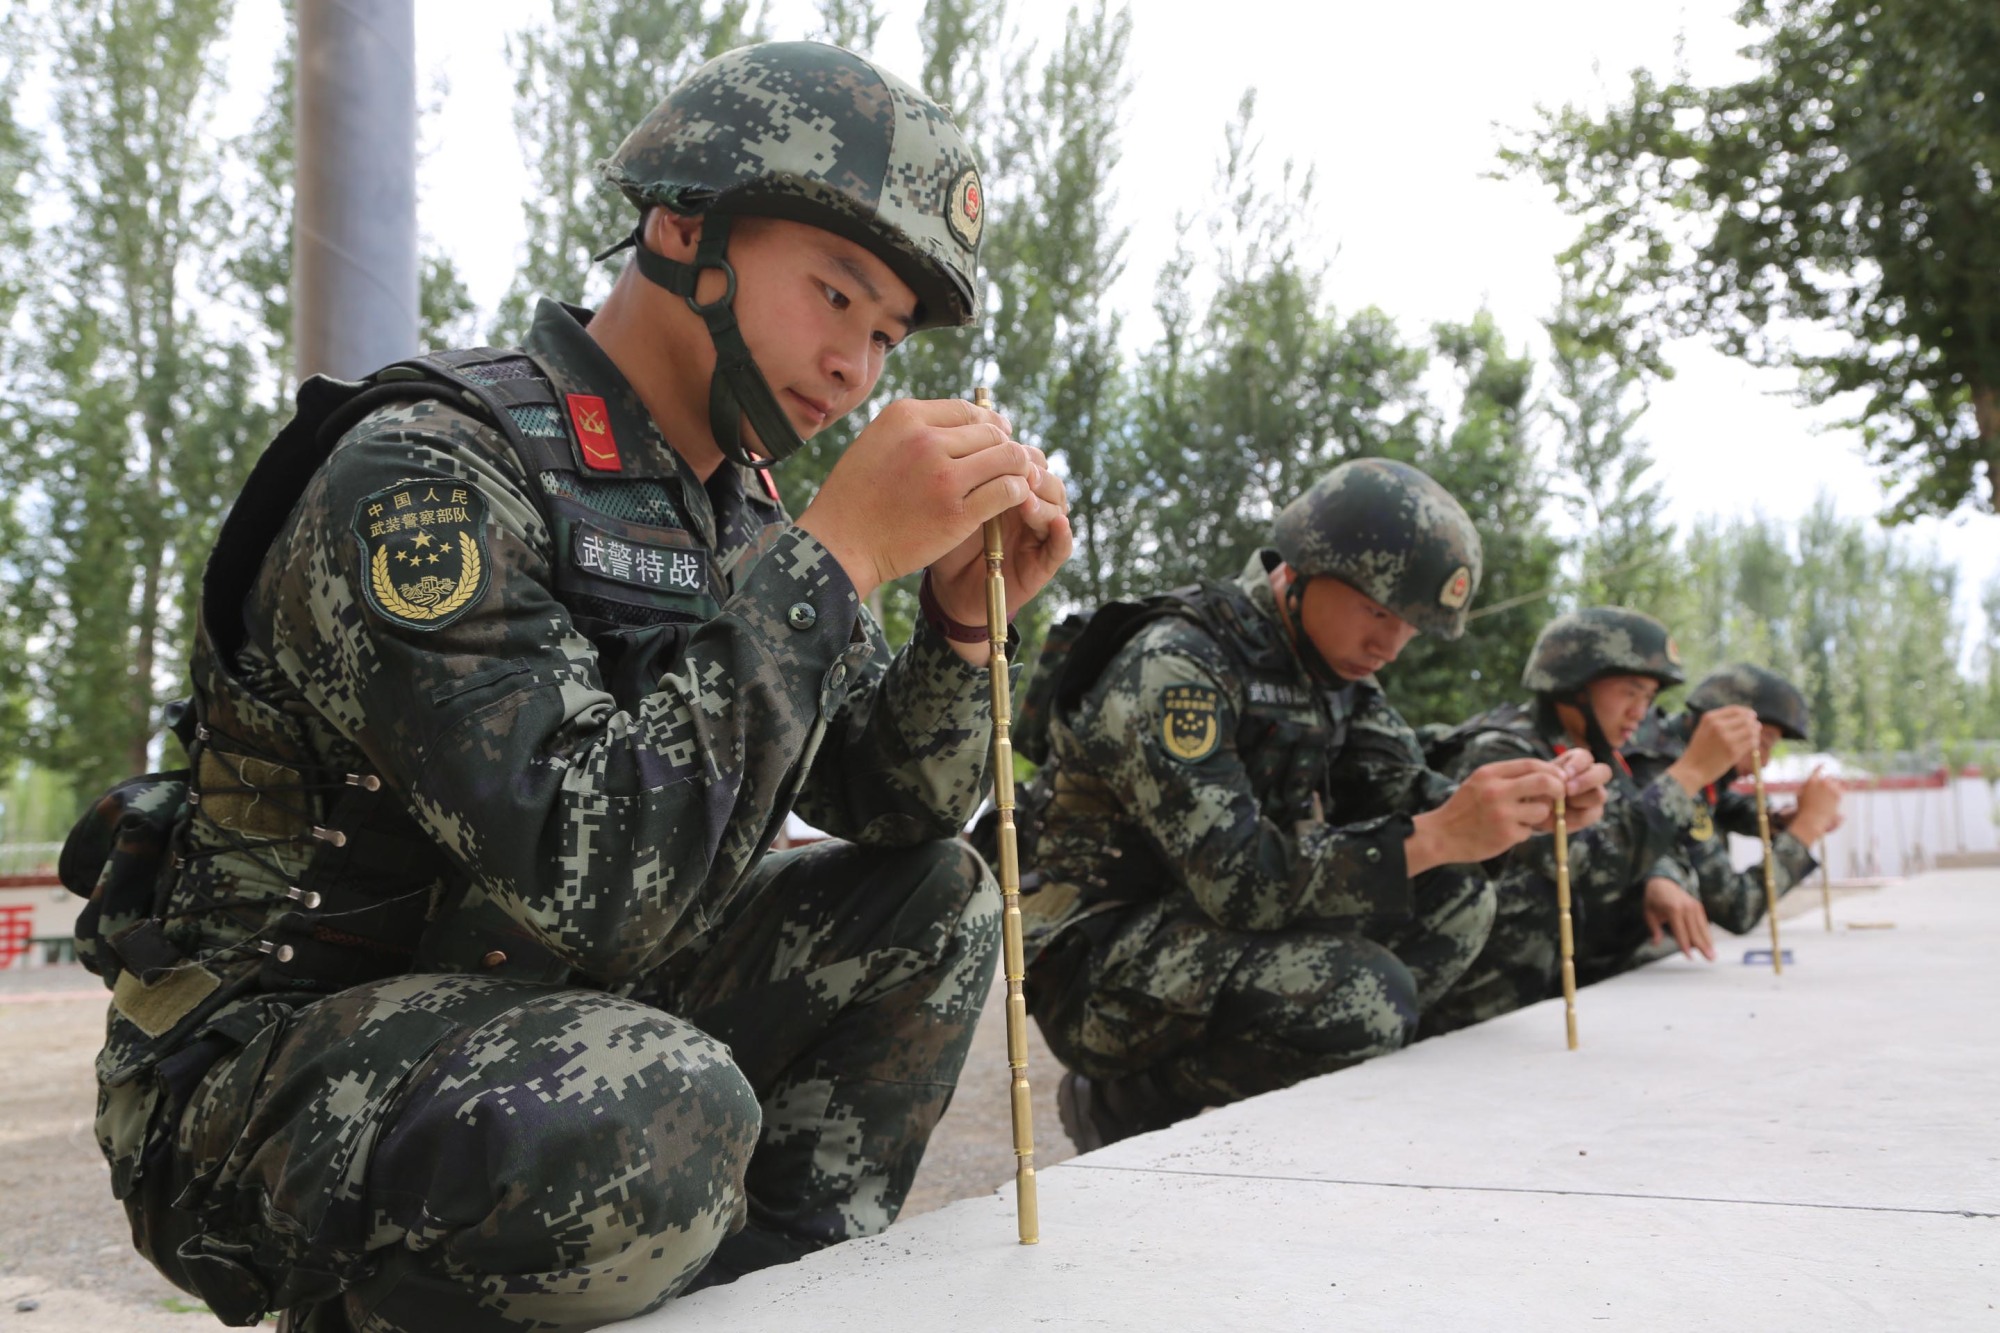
(1013, 954)
(1567, 932)
(1770, 872)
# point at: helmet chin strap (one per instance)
(737, 391)
(1594, 738)
(1302, 644)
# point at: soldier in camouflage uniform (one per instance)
(1247, 875)
(465, 994)
(1594, 675)
(1699, 863)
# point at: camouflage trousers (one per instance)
(469, 1153)
(1216, 1015)
(1522, 961)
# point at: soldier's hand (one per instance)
(1035, 536)
(917, 483)
(1586, 788)
(1681, 913)
(1725, 738)
(1818, 812)
(1495, 808)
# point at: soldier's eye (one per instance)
(835, 297)
(885, 342)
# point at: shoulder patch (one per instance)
(423, 543)
(1703, 827)
(1190, 721)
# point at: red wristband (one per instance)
(934, 616)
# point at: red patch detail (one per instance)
(770, 486)
(592, 421)
(972, 201)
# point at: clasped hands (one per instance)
(1502, 805)
(914, 490)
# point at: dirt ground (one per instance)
(64, 1246)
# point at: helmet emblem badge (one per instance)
(1456, 589)
(965, 211)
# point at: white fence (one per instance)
(1899, 825)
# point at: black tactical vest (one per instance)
(366, 892)
(1288, 733)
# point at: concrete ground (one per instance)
(1727, 1149)
(1813, 1166)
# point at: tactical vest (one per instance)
(1287, 735)
(365, 891)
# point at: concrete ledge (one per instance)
(1817, 1151)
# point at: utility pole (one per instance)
(354, 243)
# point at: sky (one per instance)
(1397, 109)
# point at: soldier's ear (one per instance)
(674, 235)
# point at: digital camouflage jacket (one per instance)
(461, 709)
(1608, 862)
(1700, 861)
(1203, 759)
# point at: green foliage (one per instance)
(1487, 460)
(854, 24)
(583, 79)
(19, 607)
(1625, 555)
(1859, 619)
(1848, 182)
(1054, 340)
(148, 412)
(150, 367)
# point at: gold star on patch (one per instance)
(423, 539)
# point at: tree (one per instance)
(140, 435)
(20, 610)
(853, 24)
(154, 363)
(583, 80)
(1486, 459)
(1249, 396)
(1053, 335)
(1625, 554)
(1860, 620)
(1848, 183)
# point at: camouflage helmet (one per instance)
(1776, 700)
(815, 134)
(1575, 649)
(1388, 530)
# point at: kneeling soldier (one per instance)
(468, 997)
(1247, 874)
(1594, 675)
(1701, 882)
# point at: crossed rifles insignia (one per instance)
(423, 539)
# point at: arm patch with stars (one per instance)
(423, 551)
(1190, 721)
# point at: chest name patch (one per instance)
(1283, 695)
(679, 569)
(1190, 721)
(425, 548)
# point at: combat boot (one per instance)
(1098, 1112)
